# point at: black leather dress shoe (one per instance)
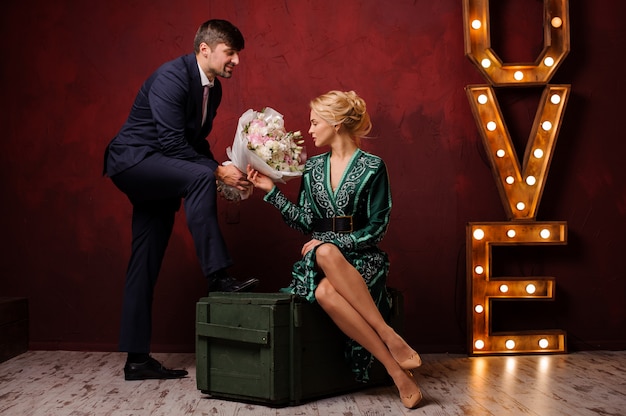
(150, 370)
(229, 284)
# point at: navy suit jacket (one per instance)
(166, 117)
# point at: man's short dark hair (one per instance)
(215, 31)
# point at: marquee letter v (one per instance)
(520, 188)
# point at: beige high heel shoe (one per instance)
(412, 362)
(412, 400)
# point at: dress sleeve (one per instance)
(296, 216)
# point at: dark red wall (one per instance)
(69, 73)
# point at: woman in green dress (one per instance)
(344, 203)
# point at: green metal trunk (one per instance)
(274, 349)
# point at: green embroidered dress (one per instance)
(362, 193)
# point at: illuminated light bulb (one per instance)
(543, 343)
(479, 234)
(476, 24)
(510, 233)
(510, 180)
(545, 233)
(510, 344)
(482, 99)
(491, 126)
(538, 153)
(549, 61)
(486, 63)
(504, 288)
(530, 289)
(531, 180)
(500, 153)
(519, 75)
(520, 206)
(479, 344)
(556, 22)
(479, 269)
(546, 125)
(479, 308)
(555, 99)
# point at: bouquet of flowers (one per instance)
(262, 142)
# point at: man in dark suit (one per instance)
(161, 156)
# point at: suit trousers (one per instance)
(155, 187)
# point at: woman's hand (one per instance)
(259, 180)
(310, 246)
(230, 175)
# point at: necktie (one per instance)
(205, 97)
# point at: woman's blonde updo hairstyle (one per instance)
(347, 108)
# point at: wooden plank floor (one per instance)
(62, 383)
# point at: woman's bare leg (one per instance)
(349, 283)
(354, 326)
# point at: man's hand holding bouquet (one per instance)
(262, 143)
